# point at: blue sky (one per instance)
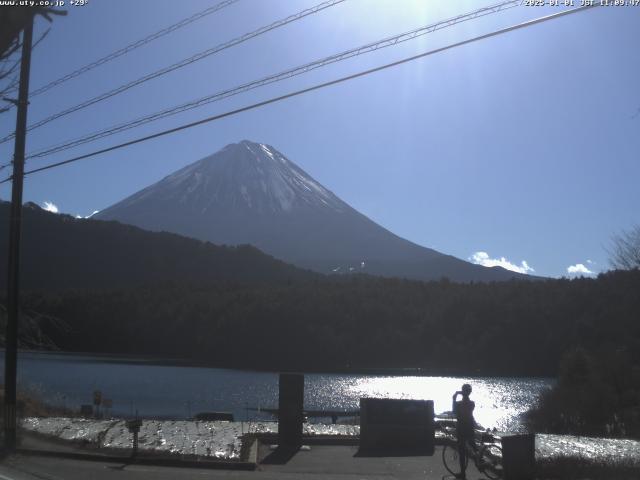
(519, 148)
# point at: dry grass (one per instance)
(574, 468)
(31, 405)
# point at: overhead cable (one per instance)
(370, 47)
(137, 44)
(310, 89)
(183, 63)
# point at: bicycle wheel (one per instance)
(490, 459)
(451, 459)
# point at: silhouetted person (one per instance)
(463, 410)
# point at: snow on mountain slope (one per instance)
(255, 176)
(251, 193)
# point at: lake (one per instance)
(160, 390)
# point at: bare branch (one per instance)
(12, 85)
(625, 250)
(11, 50)
(31, 333)
(8, 71)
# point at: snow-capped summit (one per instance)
(251, 193)
(250, 176)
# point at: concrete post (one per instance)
(290, 407)
(518, 457)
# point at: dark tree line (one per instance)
(597, 394)
(104, 287)
(61, 252)
(506, 328)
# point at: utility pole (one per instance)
(15, 226)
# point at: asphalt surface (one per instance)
(319, 462)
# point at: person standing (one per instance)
(465, 424)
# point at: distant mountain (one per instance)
(250, 193)
(59, 252)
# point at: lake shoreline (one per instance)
(105, 357)
(166, 388)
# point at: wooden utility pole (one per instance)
(15, 227)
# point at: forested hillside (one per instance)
(59, 251)
(511, 328)
(111, 288)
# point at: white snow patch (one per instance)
(88, 216)
(282, 193)
(179, 176)
(258, 158)
(282, 159)
(266, 150)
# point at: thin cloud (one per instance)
(50, 207)
(579, 269)
(483, 258)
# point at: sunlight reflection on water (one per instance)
(499, 401)
(181, 391)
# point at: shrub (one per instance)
(596, 394)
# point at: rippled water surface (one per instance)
(179, 391)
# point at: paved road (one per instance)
(321, 462)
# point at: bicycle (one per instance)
(487, 458)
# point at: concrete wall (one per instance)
(397, 426)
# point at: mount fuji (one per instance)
(250, 193)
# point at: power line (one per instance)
(123, 51)
(299, 70)
(310, 89)
(183, 63)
